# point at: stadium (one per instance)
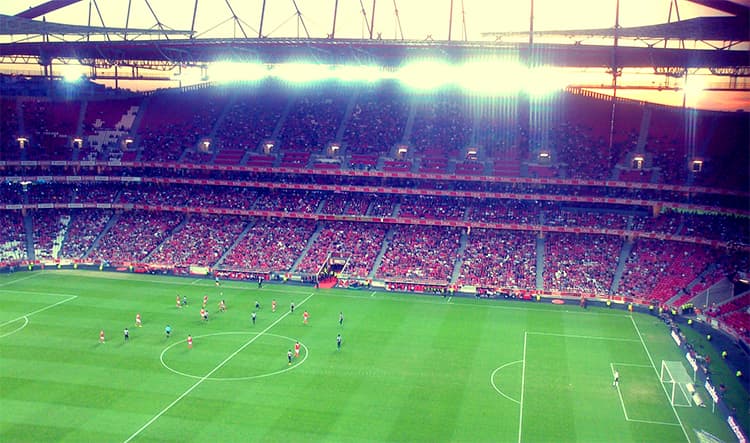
(461, 239)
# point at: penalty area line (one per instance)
(210, 373)
(38, 310)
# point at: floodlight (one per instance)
(543, 81)
(302, 72)
(694, 85)
(349, 73)
(224, 72)
(426, 75)
(491, 77)
(22, 142)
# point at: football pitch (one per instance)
(411, 368)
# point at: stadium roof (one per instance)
(730, 29)
(386, 53)
(17, 25)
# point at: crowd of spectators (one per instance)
(420, 253)
(313, 121)
(12, 237)
(50, 127)
(358, 243)
(173, 123)
(582, 263)
(250, 120)
(200, 242)
(134, 235)
(84, 228)
(48, 230)
(270, 245)
(432, 207)
(499, 259)
(377, 121)
(658, 270)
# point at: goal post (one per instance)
(676, 377)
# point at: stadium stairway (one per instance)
(28, 227)
(310, 242)
(347, 115)
(176, 229)
(627, 247)
(410, 121)
(137, 124)
(540, 263)
(236, 241)
(65, 220)
(643, 134)
(463, 241)
(217, 124)
(379, 259)
(97, 240)
(79, 129)
(282, 118)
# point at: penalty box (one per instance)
(579, 370)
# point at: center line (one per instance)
(219, 366)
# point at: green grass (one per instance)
(412, 368)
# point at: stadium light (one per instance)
(543, 81)
(492, 77)
(226, 72)
(365, 74)
(426, 75)
(22, 142)
(302, 72)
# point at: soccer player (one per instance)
(257, 305)
(341, 319)
(184, 300)
(138, 320)
(205, 300)
(260, 282)
(289, 356)
(305, 317)
(338, 342)
(203, 313)
(616, 381)
(216, 279)
(190, 342)
(126, 334)
(254, 315)
(222, 306)
(179, 303)
(168, 331)
(292, 307)
(296, 350)
(273, 305)
(101, 336)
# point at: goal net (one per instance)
(676, 378)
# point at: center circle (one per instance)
(249, 377)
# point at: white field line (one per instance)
(619, 393)
(656, 371)
(587, 337)
(211, 372)
(523, 385)
(33, 274)
(39, 310)
(492, 381)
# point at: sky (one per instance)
(419, 20)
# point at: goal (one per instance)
(676, 378)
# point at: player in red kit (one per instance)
(179, 303)
(305, 317)
(138, 320)
(273, 306)
(101, 336)
(222, 306)
(203, 314)
(190, 342)
(296, 350)
(205, 300)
